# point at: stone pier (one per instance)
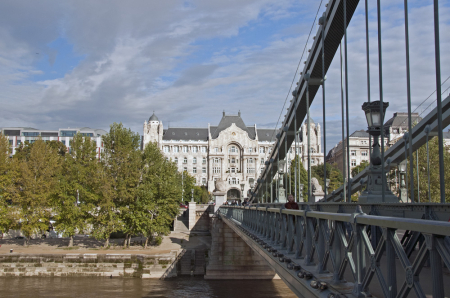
(232, 258)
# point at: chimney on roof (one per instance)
(224, 113)
(239, 113)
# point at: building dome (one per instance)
(153, 118)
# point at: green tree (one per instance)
(36, 184)
(121, 160)
(7, 175)
(158, 194)
(188, 185)
(333, 173)
(78, 186)
(355, 171)
(296, 163)
(433, 146)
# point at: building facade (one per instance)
(230, 151)
(20, 135)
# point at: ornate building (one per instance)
(230, 151)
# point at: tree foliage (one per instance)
(128, 190)
(435, 192)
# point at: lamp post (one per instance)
(192, 195)
(403, 191)
(281, 191)
(242, 190)
(374, 190)
(301, 192)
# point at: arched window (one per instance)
(185, 160)
(176, 160)
(250, 160)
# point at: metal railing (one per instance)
(354, 255)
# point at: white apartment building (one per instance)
(20, 135)
(231, 151)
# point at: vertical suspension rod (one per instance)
(295, 154)
(408, 95)
(368, 67)
(309, 141)
(322, 20)
(343, 128)
(439, 99)
(349, 193)
(380, 78)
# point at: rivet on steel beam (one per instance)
(314, 284)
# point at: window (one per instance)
(353, 162)
(364, 153)
(262, 161)
(204, 170)
(232, 170)
(203, 181)
(313, 161)
(233, 181)
(250, 160)
(204, 160)
(166, 149)
(175, 149)
(216, 149)
(63, 142)
(261, 150)
(262, 170)
(233, 149)
(68, 133)
(216, 160)
(185, 160)
(185, 169)
(195, 149)
(185, 149)
(11, 142)
(194, 160)
(250, 149)
(216, 170)
(176, 160)
(233, 160)
(194, 170)
(353, 152)
(70, 142)
(203, 149)
(30, 134)
(19, 142)
(250, 170)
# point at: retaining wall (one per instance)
(118, 265)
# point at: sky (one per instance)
(77, 63)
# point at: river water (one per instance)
(98, 287)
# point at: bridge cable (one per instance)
(298, 66)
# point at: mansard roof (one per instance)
(265, 134)
(185, 133)
(401, 120)
(360, 134)
(226, 122)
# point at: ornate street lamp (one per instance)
(374, 190)
(192, 195)
(281, 191)
(252, 182)
(301, 191)
(403, 192)
(242, 190)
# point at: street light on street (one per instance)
(242, 190)
(281, 191)
(301, 191)
(192, 197)
(374, 190)
(403, 191)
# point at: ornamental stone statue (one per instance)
(220, 186)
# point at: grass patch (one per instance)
(71, 248)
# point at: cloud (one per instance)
(189, 60)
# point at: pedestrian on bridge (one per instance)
(291, 204)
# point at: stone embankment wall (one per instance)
(199, 216)
(121, 265)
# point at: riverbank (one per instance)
(52, 257)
